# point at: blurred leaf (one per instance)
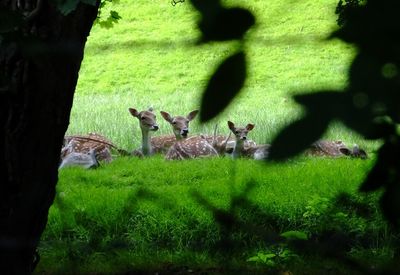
(220, 24)
(298, 136)
(323, 101)
(66, 6)
(9, 20)
(381, 174)
(390, 203)
(227, 24)
(223, 86)
(294, 235)
(89, 2)
(206, 7)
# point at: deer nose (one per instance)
(244, 138)
(185, 131)
(155, 127)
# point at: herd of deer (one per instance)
(88, 150)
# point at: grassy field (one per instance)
(151, 214)
(128, 216)
(150, 59)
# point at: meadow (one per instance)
(136, 215)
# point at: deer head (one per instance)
(240, 132)
(241, 136)
(180, 124)
(147, 122)
(147, 119)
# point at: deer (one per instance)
(87, 161)
(190, 148)
(180, 124)
(148, 124)
(160, 144)
(335, 149)
(185, 147)
(86, 150)
(243, 148)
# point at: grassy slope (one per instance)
(149, 58)
(129, 215)
(99, 221)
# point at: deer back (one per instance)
(192, 147)
(161, 144)
(85, 143)
(334, 149)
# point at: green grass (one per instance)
(137, 213)
(150, 58)
(144, 214)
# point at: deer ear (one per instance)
(134, 112)
(250, 127)
(231, 125)
(192, 115)
(151, 109)
(166, 116)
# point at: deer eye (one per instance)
(173, 122)
(142, 118)
(236, 132)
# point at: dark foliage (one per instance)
(224, 85)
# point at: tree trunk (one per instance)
(39, 64)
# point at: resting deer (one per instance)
(147, 122)
(86, 150)
(180, 124)
(335, 149)
(243, 148)
(84, 160)
(161, 144)
(186, 147)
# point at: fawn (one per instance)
(243, 147)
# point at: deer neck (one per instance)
(238, 148)
(146, 144)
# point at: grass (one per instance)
(150, 59)
(129, 215)
(150, 214)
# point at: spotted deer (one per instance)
(86, 150)
(180, 124)
(148, 124)
(335, 149)
(242, 146)
(85, 143)
(190, 148)
(84, 160)
(186, 147)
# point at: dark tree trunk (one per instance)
(39, 64)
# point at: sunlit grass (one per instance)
(128, 212)
(150, 59)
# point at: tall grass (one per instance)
(150, 59)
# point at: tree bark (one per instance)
(39, 65)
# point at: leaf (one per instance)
(390, 203)
(298, 136)
(89, 2)
(226, 24)
(9, 20)
(221, 24)
(295, 235)
(385, 168)
(66, 6)
(206, 7)
(224, 85)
